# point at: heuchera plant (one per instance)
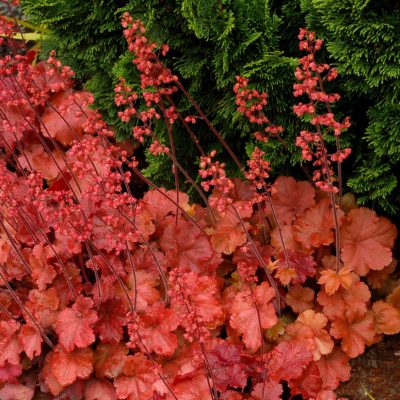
(263, 289)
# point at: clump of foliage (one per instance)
(108, 296)
(211, 42)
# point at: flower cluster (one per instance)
(214, 176)
(251, 103)
(311, 77)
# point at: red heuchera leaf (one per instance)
(228, 234)
(49, 82)
(17, 117)
(269, 391)
(309, 384)
(10, 347)
(73, 391)
(186, 247)
(291, 198)
(367, 241)
(12, 391)
(315, 228)
(355, 333)
(96, 389)
(205, 297)
(326, 395)
(300, 298)
(241, 191)
(42, 272)
(159, 206)
(287, 361)
(142, 258)
(60, 284)
(31, 341)
(156, 328)
(9, 372)
(146, 292)
(334, 368)
(394, 297)
(111, 319)
(109, 359)
(245, 319)
(225, 362)
(39, 160)
(74, 326)
(231, 395)
(193, 388)
(249, 258)
(387, 318)
(333, 280)
(62, 369)
(345, 302)
(44, 305)
(137, 380)
(376, 279)
(144, 222)
(64, 120)
(309, 330)
(289, 240)
(303, 264)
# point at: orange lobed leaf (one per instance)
(300, 298)
(10, 347)
(111, 319)
(64, 120)
(205, 297)
(367, 241)
(159, 206)
(146, 292)
(315, 228)
(44, 305)
(74, 326)
(345, 302)
(291, 198)
(228, 234)
(186, 246)
(287, 361)
(42, 272)
(355, 333)
(137, 379)
(377, 279)
(62, 369)
(394, 297)
(109, 359)
(156, 328)
(245, 319)
(387, 318)
(309, 330)
(16, 391)
(334, 368)
(192, 388)
(96, 389)
(333, 280)
(31, 340)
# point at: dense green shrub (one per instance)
(211, 41)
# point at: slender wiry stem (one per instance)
(26, 311)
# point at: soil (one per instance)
(375, 374)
